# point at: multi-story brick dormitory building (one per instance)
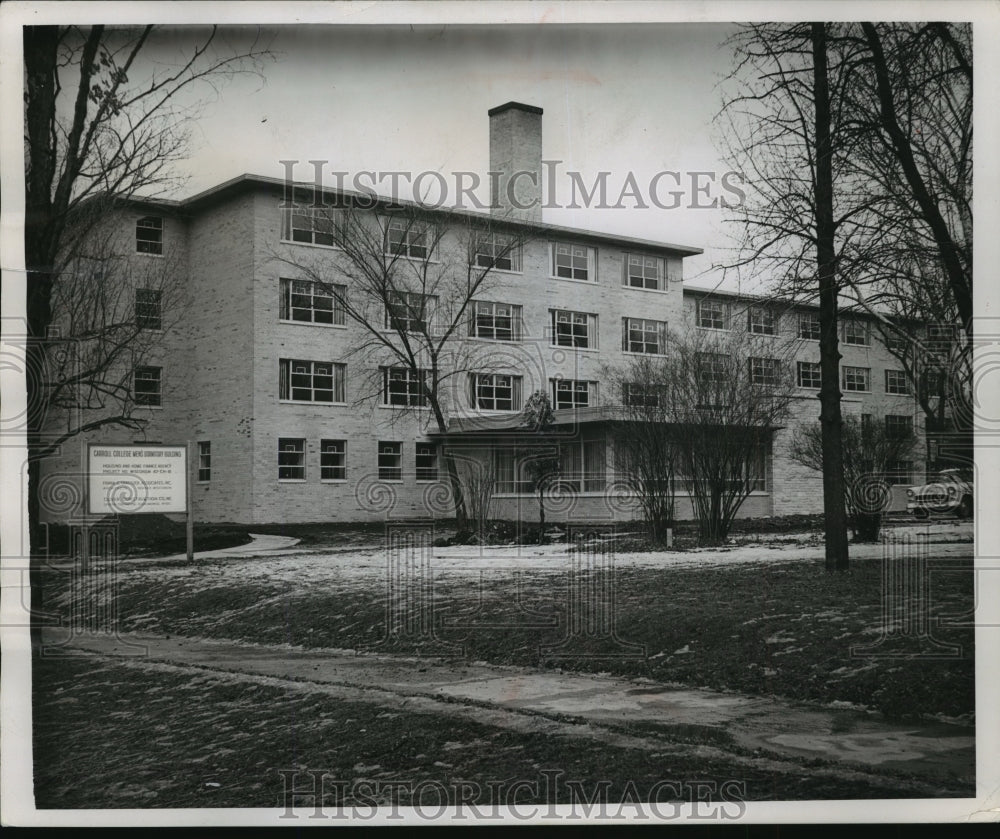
(291, 423)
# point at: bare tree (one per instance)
(871, 452)
(479, 482)
(409, 279)
(542, 468)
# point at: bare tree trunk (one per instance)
(834, 509)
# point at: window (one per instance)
(763, 371)
(146, 384)
(204, 461)
(311, 381)
(809, 326)
(309, 302)
(641, 335)
(761, 321)
(493, 251)
(713, 314)
(408, 311)
(310, 225)
(407, 238)
(426, 456)
(856, 332)
(495, 392)
(896, 342)
(148, 311)
(940, 338)
(899, 472)
(404, 387)
(643, 271)
(642, 395)
(495, 321)
(291, 459)
(509, 472)
(574, 262)
(333, 460)
(898, 425)
(896, 382)
(573, 393)
(867, 421)
(574, 329)
(582, 466)
(390, 461)
(757, 469)
(713, 368)
(856, 379)
(149, 235)
(809, 374)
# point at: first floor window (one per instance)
(148, 308)
(713, 368)
(574, 329)
(404, 387)
(408, 311)
(426, 458)
(310, 225)
(642, 395)
(311, 381)
(643, 271)
(899, 472)
(390, 461)
(896, 382)
(641, 335)
(495, 392)
(573, 393)
(291, 459)
(757, 469)
(809, 326)
(764, 371)
(146, 385)
(809, 374)
(573, 262)
(761, 321)
(204, 461)
(713, 314)
(495, 321)
(149, 235)
(582, 466)
(510, 472)
(496, 251)
(898, 425)
(305, 301)
(856, 379)
(333, 460)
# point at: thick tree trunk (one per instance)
(834, 507)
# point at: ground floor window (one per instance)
(204, 461)
(899, 472)
(291, 459)
(333, 460)
(146, 385)
(426, 460)
(390, 461)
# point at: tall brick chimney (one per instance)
(516, 153)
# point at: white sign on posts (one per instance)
(126, 479)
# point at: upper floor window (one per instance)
(496, 251)
(713, 314)
(309, 302)
(204, 461)
(898, 425)
(149, 235)
(856, 378)
(809, 326)
(643, 271)
(574, 262)
(763, 371)
(311, 381)
(310, 225)
(405, 237)
(496, 321)
(408, 311)
(761, 321)
(896, 382)
(573, 393)
(642, 395)
(574, 329)
(148, 308)
(856, 332)
(809, 374)
(713, 367)
(146, 385)
(495, 392)
(641, 335)
(897, 343)
(404, 387)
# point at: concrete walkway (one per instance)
(262, 543)
(942, 755)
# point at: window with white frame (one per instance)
(311, 225)
(148, 308)
(574, 329)
(495, 321)
(149, 235)
(405, 237)
(147, 385)
(574, 262)
(896, 382)
(510, 472)
(898, 425)
(404, 387)
(713, 367)
(426, 461)
(642, 335)
(582, 466)
(573, 393)
(204, 461)
(899, 472)
(642, 395)
(713, 314)
(643, 271)
(761, 320)
(332, 460)
(304, 301)
(857, 379)
(809, 326)
(495, 391)
(756, 468)
(497, 251)
(311, 381)
(897, 343)
(763, 371)
(856, 332)
(409, 311)
(809, 375)
(291, 459)
(390, 461)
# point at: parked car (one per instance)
(950, 492)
